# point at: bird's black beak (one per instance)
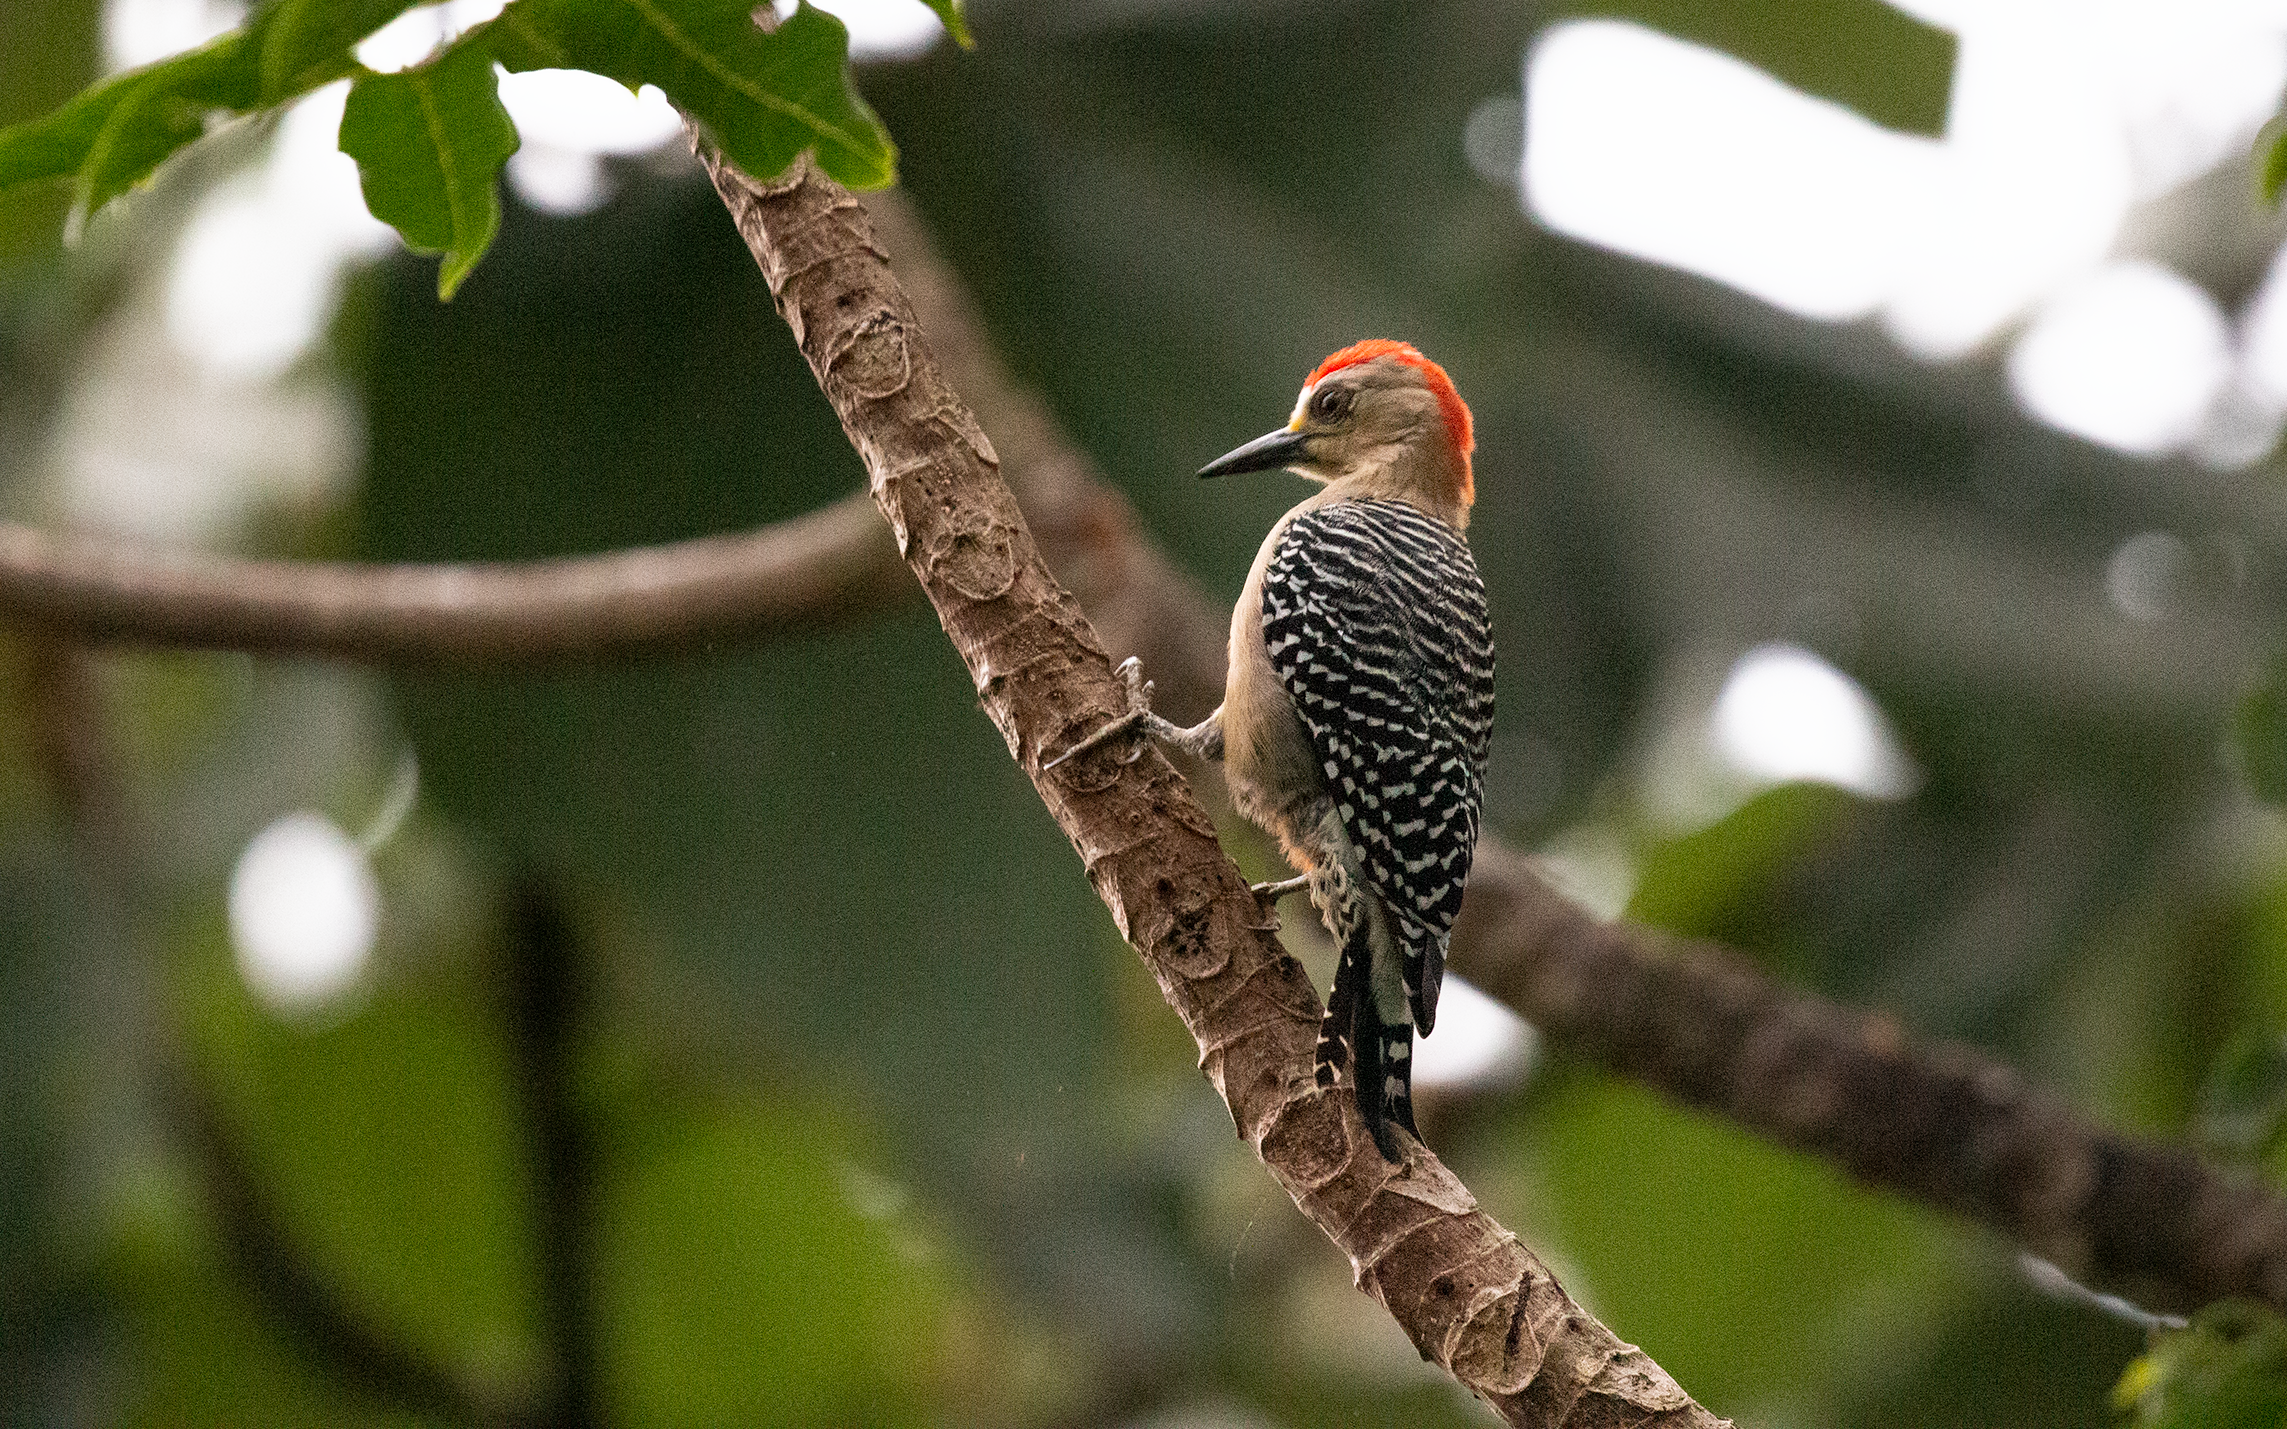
(1280, 448)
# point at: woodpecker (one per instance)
(1359, 704)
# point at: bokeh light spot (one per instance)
(139, 32)
(304, 909)
(1786, 714)
(1493, 139)
(2132, 358)
(2147, 575)
(562, 182)
(1683, 155)
(1478, 1042)
(587, 113)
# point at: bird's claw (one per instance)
(1273, 892)
(1127, 726)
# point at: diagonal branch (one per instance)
(828, 566)
(1468, 1294)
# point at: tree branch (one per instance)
(1467, 1293)
(546, 1013)
(817, 569)
(1135, 596)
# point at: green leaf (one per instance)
(164, 110)
(2259, 729)
(306, 43)
(2228, 1370)
(2271, 160)
(56, 143)
(49, 51)
(429, 143)
(956, 23)
(763, 96)
(1892, 68)
(114, 135)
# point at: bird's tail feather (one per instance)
(1341, 1004)
(1380, 1052)
(1382, 1068)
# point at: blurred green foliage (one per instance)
(409, 1204)
(1714, 882)
(2227, 1370)
(2260, 735)
(2243, 1105)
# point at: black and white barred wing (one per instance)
(1376, 624)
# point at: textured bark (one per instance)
(828, 566)
(1138, 601)
(1468, 1294)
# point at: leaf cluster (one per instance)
(429, 141)
(2227, 1370)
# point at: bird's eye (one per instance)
(1330, 403)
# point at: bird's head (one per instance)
(1378, 419)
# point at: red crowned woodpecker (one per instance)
(1359, 705)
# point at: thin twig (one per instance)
(307, 1312)
(826, 567)
(546, 1011)
(1470, 1296)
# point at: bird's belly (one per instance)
(1267, 758)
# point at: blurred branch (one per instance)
(1944, 1125)
(307, 1312)
(1467, 1293)
(828, 566)
(545, 1014)
(63, 715)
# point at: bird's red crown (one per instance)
(1449, 403)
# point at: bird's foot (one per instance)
(1136, 721)
(1273, 892)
